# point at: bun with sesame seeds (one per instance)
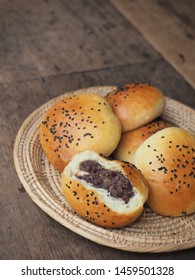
(76, 123)
(167, 161)
(131, 140)
(108, 193)
(136, 104)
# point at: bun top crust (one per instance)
(77, 123)
(131, 140)
(136, 104)
(167, 160)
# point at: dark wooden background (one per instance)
(50, 47)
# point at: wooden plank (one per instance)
(57, 37)
(170, 28)
(40, 58)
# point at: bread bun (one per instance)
(131, 140)
(107, 193)
(77, 123)
(167, 160)
(136, 104)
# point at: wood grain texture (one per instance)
(40, 58)
(170, 28)
(54, 37)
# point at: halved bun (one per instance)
(107, 193)
(136, 104)
(131, 140)
(77, 123)
(167, 160)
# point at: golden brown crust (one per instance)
(136, 104)
(76, 123)
(131, 140)
(167, 160)
(88, 204)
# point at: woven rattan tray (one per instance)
(150, 233)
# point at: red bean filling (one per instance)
(113, 181)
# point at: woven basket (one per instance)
(150, 233)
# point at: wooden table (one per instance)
(50, 47)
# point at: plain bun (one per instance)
(131, 140)
(136, 104)
(76, 123)
(167, 160)
(104, 192)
